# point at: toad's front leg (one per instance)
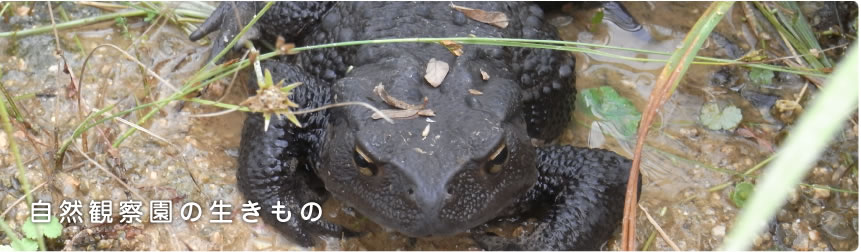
(288, 19)
(274, 165)
(585, 190)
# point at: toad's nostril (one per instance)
(449, 193)
(430, 200)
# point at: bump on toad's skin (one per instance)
(438, 184)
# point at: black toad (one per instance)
(475, 162)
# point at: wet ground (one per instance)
(188, 158)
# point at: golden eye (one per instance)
(364, 163)
(497, 159)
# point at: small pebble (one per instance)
(715, 197)
(757, 242)
(762, 238)
(707, 148)
(688, 132)
(215, 238)
(4, 144)
(813, 235)
(22, 65)
(719, 231)
(838, 173)
(801, 243)
(260, 244)
(784, 216)
(821, 193)
(815, 210)
(821, 171)
(215, 90)
(794, 196)
(835, 225)
(104, 244)
(69, 186)
(6, 201)
(727, 149)
(22, 213)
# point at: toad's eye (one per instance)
(364, 163)
(497, 159)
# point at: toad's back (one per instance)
(543, 75)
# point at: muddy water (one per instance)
(192, 159)
(682, 157)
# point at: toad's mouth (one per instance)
(434, 227)
(438, 215)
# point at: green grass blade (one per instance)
(800, 47)
(801, 29)
(73, 23)
(694, 42)
(671, 75)
(570, 46)
(13, 148)
(5, 7)
(187, 88)
(810, 137)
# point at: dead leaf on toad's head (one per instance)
(436, 72)
(403, 113)
(381, 91)
(426, 131)
(494, 18)
(484, 75)
(284, 47)
(452, 47)
(475, 92)
(395, 113)
(426, 112)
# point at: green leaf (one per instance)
(52, 229)
(149, 17)
(607, 105)
(293, 119)
(29, 229)
(596, 20)
(121, 21)
(267, 79)
(715, 119)
(742, 191)
(290, 86)
(761, 76)
(25, 245)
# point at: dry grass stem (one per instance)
(660, 230)
(15, 203)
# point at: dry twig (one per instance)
(660, 230)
